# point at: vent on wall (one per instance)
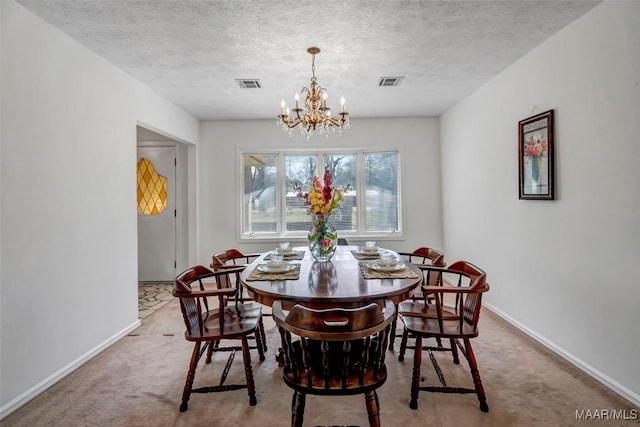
(389, 81)
(249, 83)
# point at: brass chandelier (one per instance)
(315, 115)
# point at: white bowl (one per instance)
(387, 259)
(277, 266)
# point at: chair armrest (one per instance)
(228, 267)
(205, 293)
(445, 284)
(233, 268)
(455, 290)
(253, 255)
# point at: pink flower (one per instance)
(535, 146)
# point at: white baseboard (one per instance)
(34, 391)
(607, 381)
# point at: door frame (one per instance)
(158, 261)
(185, 191)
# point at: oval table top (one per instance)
(336, 283)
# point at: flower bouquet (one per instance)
(323, 200)
(535, 147)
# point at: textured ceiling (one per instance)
(191, 52)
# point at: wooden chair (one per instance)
(232, 258)
(421, 256)
(208, 322)
(454, 315)
(339, 352)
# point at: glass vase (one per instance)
(323, 239)
(535, 170)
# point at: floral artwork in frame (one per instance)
(535, 157)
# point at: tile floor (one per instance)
(152, 296)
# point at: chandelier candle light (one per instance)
(315, 114)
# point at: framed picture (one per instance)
(535, 157)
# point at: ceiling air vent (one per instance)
(390, 81)
(249, 83)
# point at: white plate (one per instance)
(284, 268)
(365, 251)
(392, 267)
(285, 252)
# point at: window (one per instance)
(260, 199)
(271, 208)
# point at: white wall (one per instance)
(219, 162)
(561, 269)
(67, 200)
(68, 216)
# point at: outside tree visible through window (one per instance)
(270, 207)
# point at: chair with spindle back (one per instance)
(209, 320)
(233, 258)
(453, 314)
(421, 256)
(337, 352)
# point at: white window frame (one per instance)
(280, 234)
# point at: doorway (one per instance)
(156, 213)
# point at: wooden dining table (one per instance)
(345, 281)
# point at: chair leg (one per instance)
(210, 346)
(213, 346)
(476, 376)
(262, 335)
(373, 408)
(454, 351)
(392, 337)
(248, 372)
(403, 344)
(297, 408)
(259, 341)
(191, 373)
(415, 380)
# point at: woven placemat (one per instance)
(405, 273)
(256, 275)
(296, 255)
(359, 255)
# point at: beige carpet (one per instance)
(139, 380)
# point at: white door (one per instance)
(157, 229)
